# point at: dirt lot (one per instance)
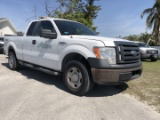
(32, 95)
(147, 87)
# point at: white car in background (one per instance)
(147, 52)
(158, 48)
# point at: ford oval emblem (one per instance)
(134, 53)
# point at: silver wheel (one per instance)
(74, 77)
(11, 61)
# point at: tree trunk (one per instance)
(156, 30)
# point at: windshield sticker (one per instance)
(66, 33)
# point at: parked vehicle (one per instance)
(1, 44)
(158, 48)
(70, 48)
(147, 52)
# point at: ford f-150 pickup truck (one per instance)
(69, 47)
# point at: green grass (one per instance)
(147, 87)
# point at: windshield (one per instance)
(73, 28)
(143, 45)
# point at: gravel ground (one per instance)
(28, 94)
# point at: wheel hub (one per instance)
(11, 61)
(74, 77)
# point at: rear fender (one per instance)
(9, 46)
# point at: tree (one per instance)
(91, 12)
(83, 11)
(143, 37)
(50, 11)
(34, 12)
(153, 19)
(131, 37)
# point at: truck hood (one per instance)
(106, 40)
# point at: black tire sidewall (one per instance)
(153, 60)
(15, 65)
(84, 88)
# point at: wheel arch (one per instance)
(73, 52)
(10, 47)
(74, 56)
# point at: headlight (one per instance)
(106, 53)
(143, 51)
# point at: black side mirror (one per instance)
(48, 34)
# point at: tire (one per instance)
(1, 52)
(77, 78)
(12, 61)
(153, 60)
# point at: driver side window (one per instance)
(45, 25)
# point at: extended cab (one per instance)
(68, 47)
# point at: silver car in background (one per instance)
(148, 52)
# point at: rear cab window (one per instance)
(31, 29)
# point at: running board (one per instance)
(39, 68)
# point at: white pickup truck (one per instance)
(68, 47)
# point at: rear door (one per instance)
(27, 42)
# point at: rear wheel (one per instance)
(77, 78)
(12, 60)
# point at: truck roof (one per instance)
(52, 18)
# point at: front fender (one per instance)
(85, 52)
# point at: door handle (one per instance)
(33, 42)
(62, 43)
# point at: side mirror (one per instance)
(48, 34)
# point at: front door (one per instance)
(44, 50)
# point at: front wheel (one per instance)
(13, 62)
(77, 78)
(153, 59)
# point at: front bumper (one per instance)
(149, 56)
(102, 73)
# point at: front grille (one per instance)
(127, 52)
(152, 52)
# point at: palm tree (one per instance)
(153, 19)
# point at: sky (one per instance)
(116, 17)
